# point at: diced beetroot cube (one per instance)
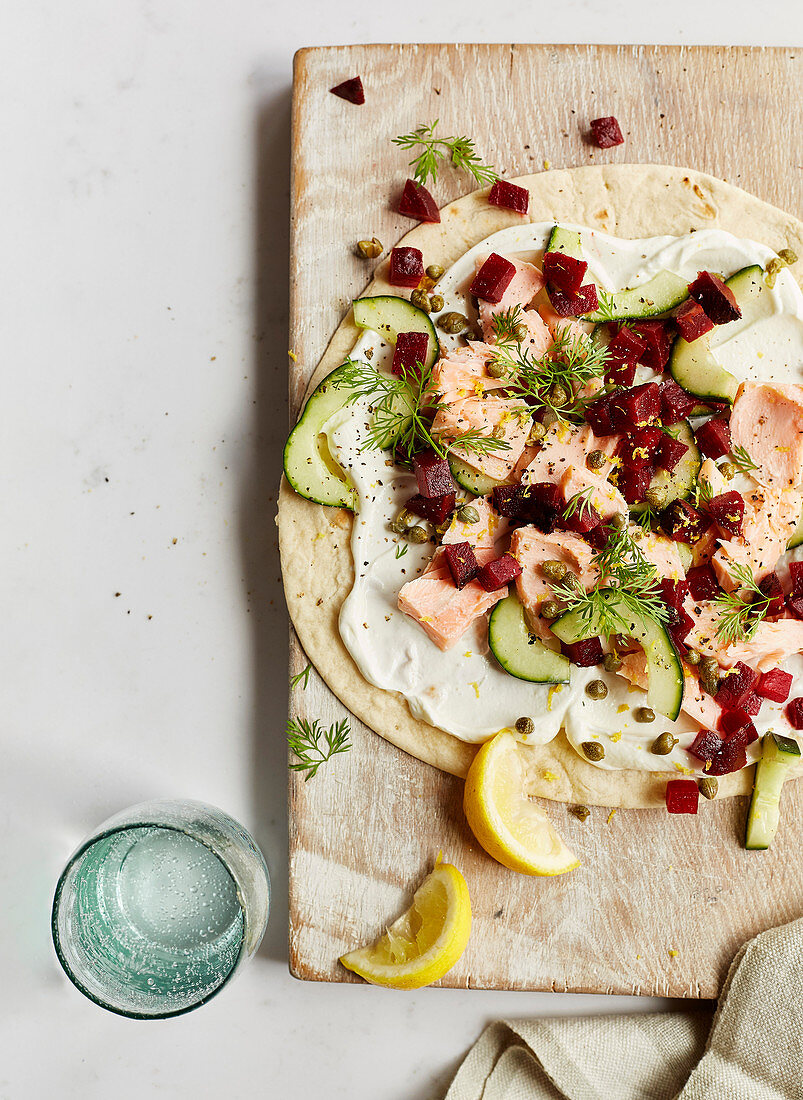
(598, 536)
(599, 415)
(416, 202)
(574, 305)
(639, 448)
(706, 745)
(775, 685)
(499, 573)
(794, 712)
(657, 337)
(435, 509)
(636, 407)
(461, 561)
(796, 576)
(674, 592)
(620, 372)
(633, 482)
(682, 796)
(350, 90)
(727, 511)
(731, 758)
(583, 654)
(795, 605)
(432, 474)
(714, 437)
(583, 519)
(703, 584)
(564, 272)
(717, 406)
(682, 522)
(406, 267)
(679, 630)
(715, 297)
(606, 132)
(627, 344)
(545, 506)
(692, 320)
(670, 452)
(410, 352)
(737, 723)
(493, 279)
(511, 501)
(738, 682)
(511, 196)
(752, 704)
(676, 404)
(771, 588)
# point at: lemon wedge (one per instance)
(424, 942)
(509, 825)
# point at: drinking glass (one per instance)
(159, 907)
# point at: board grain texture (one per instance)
(660, 904)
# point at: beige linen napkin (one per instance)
(753, 1050)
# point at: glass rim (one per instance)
(81, 850)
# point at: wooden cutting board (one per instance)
(660, 904)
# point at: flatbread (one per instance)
(627, 200)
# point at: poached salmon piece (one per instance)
(767, 420)
(520, 291)
(483, 535)
(464, 373)
(770, 517)
(771, 644)
(531, 548)
(443, 611)
(557, 325)
(562, 460)
(510, 418)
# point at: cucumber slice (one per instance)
(695, 366)
(659, 294)
(665, 691)
(518, 651)
(777, 756)
(308, 462)
(479, 485)
(389, 315)
(796, 537)
(680, 483)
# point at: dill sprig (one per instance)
(580, 503)
(625, 577)
(508, 326)
(742, 461)
(433, 149)
(553, 380)
(702, 492)
(302, 676)
(646, 518)
(403, 411)
(401, 551)
(742, 610)
(313, 745)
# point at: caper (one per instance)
(656, 495)
(417, 534)
(663, 744)
(554, 570)
(549, 418)
(436, 303)
(709, 674)
(369, 250)
(420, 298)
(398, 526)
(468, 514)
(644, 714)
(708, 786)
(788, 255)
(434, 272)
(618, 521)
(611, 662)
(596, 460)
(520, 332)
(692, 657)
(537, 433)
(525, 726)
(550, 609)
(593, 750)
(498, 432)
(406, 518)
(495, 369)
(728, 470)
(558, 395)
(596, 689)
(453, 323)
(582, 813)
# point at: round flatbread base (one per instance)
(625, 201)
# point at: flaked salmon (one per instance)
(562, 460)
(506, 417)
(531, 548)
(464, 372)
(443, 611)
(767, 421)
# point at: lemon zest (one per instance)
(673, 953)
(622, 708)
(680, 768)
(610, 816)
(550, 777)
(616, 736)
(476, 686)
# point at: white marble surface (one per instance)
(143, 298)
